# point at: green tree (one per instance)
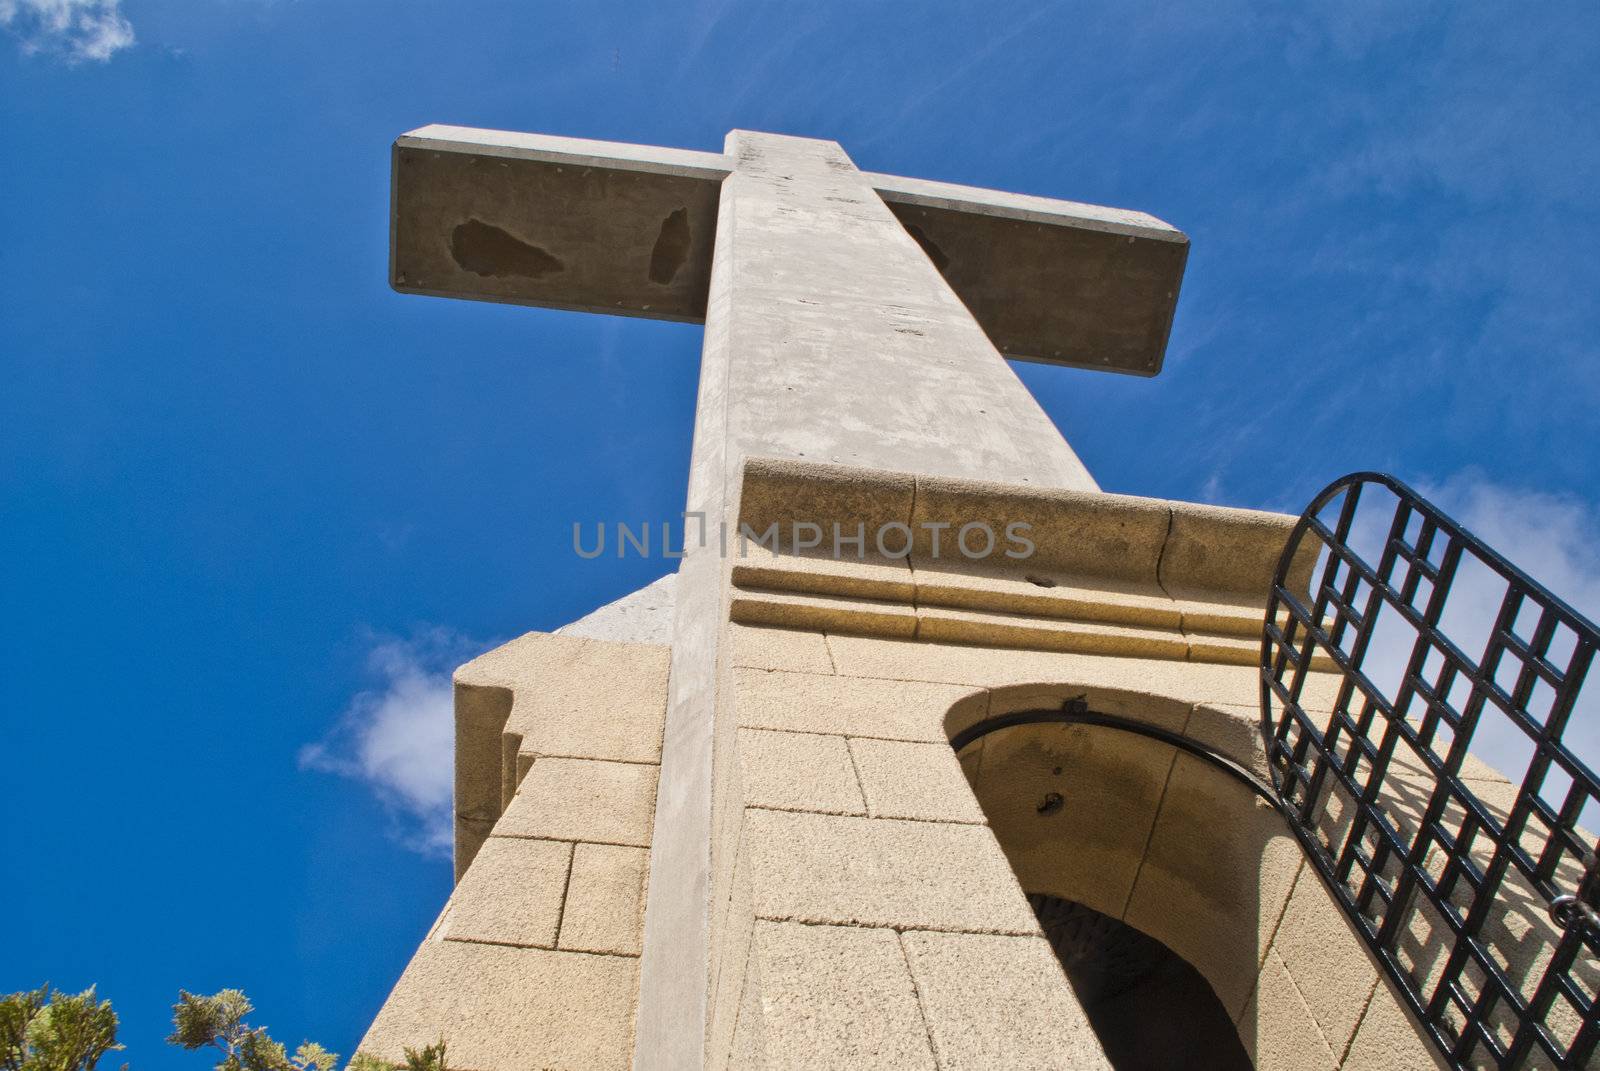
(427, 1058)
(41, 1030)
(218, 1022)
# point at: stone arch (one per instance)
(1181, 851)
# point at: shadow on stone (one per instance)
(1149, 1008)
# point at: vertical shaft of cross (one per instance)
(840, 341)
(830, 336)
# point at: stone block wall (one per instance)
(534, 960)
(862, 830)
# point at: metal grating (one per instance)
(1477, 894)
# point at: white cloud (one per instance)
(399, 738)
(75, 29)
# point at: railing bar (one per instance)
(1349, 753)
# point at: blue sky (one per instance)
(253, 505)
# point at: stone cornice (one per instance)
(1108, 574)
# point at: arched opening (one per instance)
(1148, 1006)
(1158, 876)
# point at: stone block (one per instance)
(833, 997)
(939, 625)
(811, 703)
(1388, 1039)
(1223, 549)
(880, 872)
(755, 647)
(1233, 731)
(993, 1002)
(817, 571)
(909, 780)
(581, 799)
(1229, 613)
(1278, 1029)
(798, 772)
(548, 694)
(1016, 588)
(1228, 650)
(509, 1009)
(821, 613)
(1215, 877)
(511, 894)
(1074, 532)
(1326, 959)
(864, 656)
(1140, 706)
(784, 491)
(604, 910)
(481, 712)
(470, 833)
(971, 758)
(592, 699)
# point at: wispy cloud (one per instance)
(75, 30)
(398, 737)
(1550, 537)
(1394, 197)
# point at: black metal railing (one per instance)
(1399, 649)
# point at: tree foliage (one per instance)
(427, 1058)
(218, 1022)
(42, 1030)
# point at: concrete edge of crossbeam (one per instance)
(714, 167)
(579, 152)
(1029, 208)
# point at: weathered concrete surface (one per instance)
(607, 227)
(1028, 267)
(558, 222)
(840, 343)
(644, 616)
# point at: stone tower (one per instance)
(722, 823)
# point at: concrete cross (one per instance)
(850, 317)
